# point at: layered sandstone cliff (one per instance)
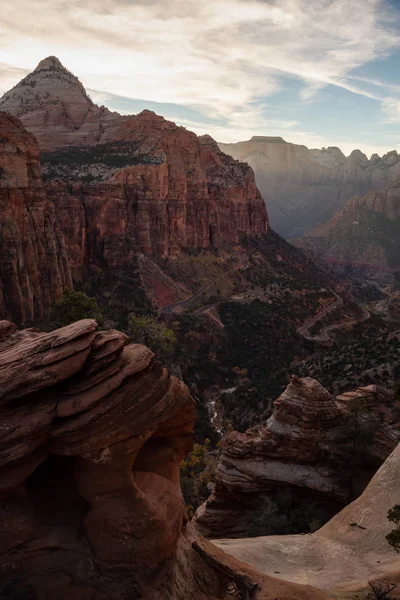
(34, 265)
(304, 188)
(142, 186)
(93, 432)
(303, 447)
(364, 235)
(182, 193)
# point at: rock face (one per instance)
(193, 196)
(93, 432)
(304, 188)
(33, 259)
(364, 236)
(301, 447)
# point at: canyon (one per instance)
(303, 188)
(152, 219)
(94, 431)
(363, 239)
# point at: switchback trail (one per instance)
(172, 308)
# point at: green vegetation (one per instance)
(198, 471)
(154, 334)
(393, 537)
(84, 163)
(73, 306)
(259, 347)
(358, 430)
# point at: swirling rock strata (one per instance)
(305, 447)
(93, 432)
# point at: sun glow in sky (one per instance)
(316, 72)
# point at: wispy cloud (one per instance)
(216, 56)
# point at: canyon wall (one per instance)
(304, 188)
(34, 264)
(364, 237)
(192, 197)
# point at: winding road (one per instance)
(323, 336)
(304, 329)
(170, 309)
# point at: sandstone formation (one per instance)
(93, 432)
(302, 447)
(34, 264)
(304, 188)
(346, 553)
(364, 237)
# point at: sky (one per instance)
(316, 72)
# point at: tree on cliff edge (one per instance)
(73, 306)
(154, 334)
(393, 537)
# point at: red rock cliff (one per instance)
(127, 184)
(184, 194)
(33, 262)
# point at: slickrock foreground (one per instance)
(302, 448)
(93, 430)
(346, 553)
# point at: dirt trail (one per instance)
(177, 307)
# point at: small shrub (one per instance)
(73, 306)
(154, 334)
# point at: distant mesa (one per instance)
(268, 139)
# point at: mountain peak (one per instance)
(50, 63)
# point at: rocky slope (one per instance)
(34, 265)
(94, 430)
(364, 237)
(346, 553)
(304, 188)
(303, 447)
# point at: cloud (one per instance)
(215, 56)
